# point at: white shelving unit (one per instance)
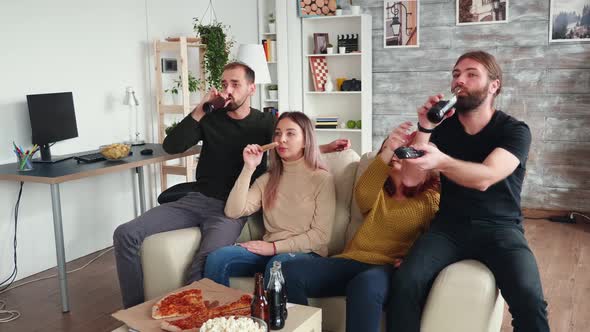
(285, 71)
(266, 7)
(347, 105)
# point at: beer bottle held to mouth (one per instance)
(215, 104)
(437, 112)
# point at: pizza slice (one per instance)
(188, 324)
(179, 304)
(193, 323)
(242, 305)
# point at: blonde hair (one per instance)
(311, 155)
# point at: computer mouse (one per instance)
(147, 152)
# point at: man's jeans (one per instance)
(193, 210)
(499, 244)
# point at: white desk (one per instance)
(68, 170)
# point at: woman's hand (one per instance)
(252, 156)
(398, 137)
(261, 248)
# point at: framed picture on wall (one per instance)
(481, 11)
(320, 43)
(401, 20)
(569, 20)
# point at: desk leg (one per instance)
(59, 247)
(139, 171)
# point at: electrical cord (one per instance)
(14, 272)
(10, 315)
(586, 218)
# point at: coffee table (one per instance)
(301, 319)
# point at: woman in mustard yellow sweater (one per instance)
(394, 217)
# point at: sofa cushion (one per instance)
(342, 165)
(356, 218)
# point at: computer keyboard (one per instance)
(90, 157)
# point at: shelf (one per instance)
(269, 34)
(321, 18)
(271, 100)
(339, 130)
(271, 62)
(335, 54)
(333, 92)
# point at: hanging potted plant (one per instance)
(217, 51)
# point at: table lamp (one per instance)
(253, 56)
(131, 100)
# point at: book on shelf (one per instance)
(320, 126)
(270, 49)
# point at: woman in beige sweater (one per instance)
(297, 197)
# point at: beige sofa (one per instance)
(464, 297)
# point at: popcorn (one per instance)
(232, 324)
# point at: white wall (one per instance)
(95, 50)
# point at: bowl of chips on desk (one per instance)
(116, 151)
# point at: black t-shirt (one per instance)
(224, 139)
(501, 200)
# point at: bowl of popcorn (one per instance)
(116, 151)
(234, 324)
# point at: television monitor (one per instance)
(52, 120)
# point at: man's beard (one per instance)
(471, 101)
(234, 105)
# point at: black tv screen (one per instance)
(52, 117)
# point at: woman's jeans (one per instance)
(366, 287)
(237, 261)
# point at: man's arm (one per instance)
(498, 165)
(336, 145)
(410, 172)
(188, 132)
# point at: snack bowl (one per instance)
(240, 323)
(115, 151)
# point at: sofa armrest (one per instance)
(463, 298)
(165, 258)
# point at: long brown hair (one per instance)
(311, 155)
(432, 180)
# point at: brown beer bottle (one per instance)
(259, 306)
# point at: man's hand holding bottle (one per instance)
(213, 100)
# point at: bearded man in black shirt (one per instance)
(225, 133)
(481, 154)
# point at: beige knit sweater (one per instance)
(302, 216)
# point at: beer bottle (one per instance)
(274, 290)
(259, 306)
(216, 104)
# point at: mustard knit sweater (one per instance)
(390, 226)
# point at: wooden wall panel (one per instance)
(545, 85)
